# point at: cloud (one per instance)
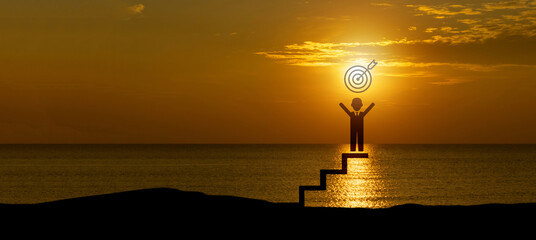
(468, 21)
(382, 4)
(315, 54)
(310, 53)
(459, 28)
(520, 21)
(444, 11)
(136, 9)
(412, 74)
(505, 5)
(450, 81)
(463, 66)
(434, 71)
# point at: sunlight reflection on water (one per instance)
(392, 175)
(362, 186)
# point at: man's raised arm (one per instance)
(345, 109)
(368, 109)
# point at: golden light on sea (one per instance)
(362, 187)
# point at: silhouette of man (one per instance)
(356, 122)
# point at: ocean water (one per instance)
(392, 175)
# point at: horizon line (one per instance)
(265, 143)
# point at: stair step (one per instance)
(355, 155)
(325, 172)
(332, 171)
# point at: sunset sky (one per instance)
(248, 71)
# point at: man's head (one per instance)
(357, 104)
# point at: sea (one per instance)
(392, 175)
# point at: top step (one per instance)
(355, 155)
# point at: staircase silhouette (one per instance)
(325, 172)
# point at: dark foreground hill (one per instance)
(164, 208)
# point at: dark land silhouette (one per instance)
(165, 208)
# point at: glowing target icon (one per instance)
(358, 78)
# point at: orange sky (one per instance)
(118, 71)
